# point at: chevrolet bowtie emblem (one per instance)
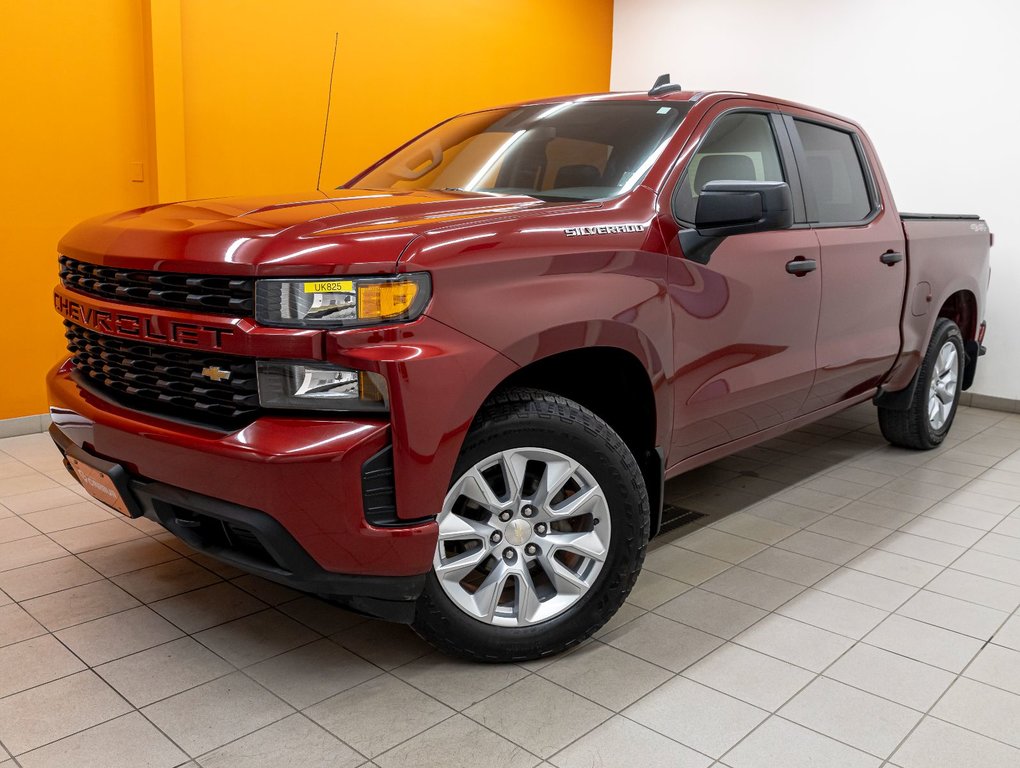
(215, 373)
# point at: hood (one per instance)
(301, 234)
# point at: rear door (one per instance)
(862, 265)
(743, 325)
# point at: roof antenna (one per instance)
(662, 85)
(329, 101)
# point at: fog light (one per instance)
(319, 387)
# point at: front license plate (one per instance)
(99, 485)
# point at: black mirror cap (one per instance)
(738, 207)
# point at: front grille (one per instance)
(201, 293)
(153, 377)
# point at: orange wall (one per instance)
(221, 97)
(73, 122)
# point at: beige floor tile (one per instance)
(68, 607)
(999, 544)
(935, 743)
(44, 578)
(16, 625)
(950, 613)
(126, 742)
(128, 556)
(36, 501)
(795, 642)
(325, 618)
(293, 741)
(1010, 526)
(652, 590)
(515, 714)
(207, 607)
(363, 716)
(215, 713)
(854, 717)
(157, 673)
(996, 666)
(981, 708)
(970, 497)
(383, 643)
(267, 591)
(455, 682)
(812, 499)
(966, 516)
(932, 645)
(990, 566)
(850, 530)
(622, 743)
(33, 662)
(255, 638)
(820, 547)
(921, 548)
(918, 489)
(754, 527)
(750, 676)
(789, 566)
(37, 549)
(683, 565)
(624, 615)
(720, 545)
(606, 675)
(1009, 635)
(873, 514)
(787, 514)
(121, 634)
(663, 642)
(11, 467)
(891, 676)
(976, 589)
(14, 528)
(313, 672)
(24, 483)
(751, 587)
(940, 530)
(833, 613)
(900, 502)
(711, 613)
(699, 717)
(778, 742)
(906, 570)
(95, 535)
(866, 588)
(166, 580)
(70, 516)
(432, 749)
(57, 709)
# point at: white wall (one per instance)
(936, 84)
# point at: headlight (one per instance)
(331, 303)
(319, 387)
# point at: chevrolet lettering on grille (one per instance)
(145, 327)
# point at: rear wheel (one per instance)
(541, 535)
(927, 420)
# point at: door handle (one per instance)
(801, 266)
(890, 258)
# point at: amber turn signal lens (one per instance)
(384, 300)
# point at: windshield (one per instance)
(564, 152)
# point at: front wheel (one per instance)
(541, 535)
(926, 421)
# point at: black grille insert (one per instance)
(200, 293)
(192, 384)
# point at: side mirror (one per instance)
(737, 207)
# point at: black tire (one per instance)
(530, 417)
(912, 428)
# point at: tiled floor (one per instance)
(845, 604)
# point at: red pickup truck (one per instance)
(449, 392)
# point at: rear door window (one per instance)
(834, 180)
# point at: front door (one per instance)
(744, 326)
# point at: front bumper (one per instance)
(280, 497)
